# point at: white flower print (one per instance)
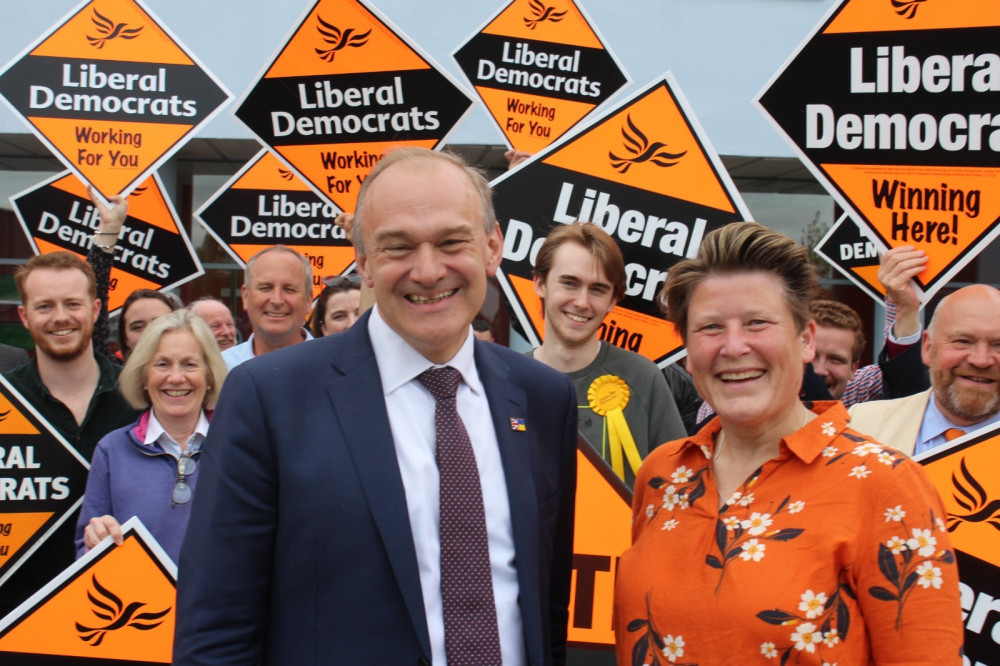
(768, 650)
(895, 513)
(806, 637)
(670, 498)
(734, 498)
(746, 500)
(706, 451)
(922, 542)
(940, 524)
(673, 647)
(796, 506)
(896, 545)
(885, 458)
(830, 451)
(866, 449)
(860, 472)
(831, 638)
(930, 576)
(731, 522)
(669, 525)
(682, 474)
(753, 549)
(828, 429)
(812, 604)
(650, 511)
(757, 523)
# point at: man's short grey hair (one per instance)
(412, 155)
(306, 266)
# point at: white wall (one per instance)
(722, 52)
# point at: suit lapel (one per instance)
(368, 438)
(509, 401)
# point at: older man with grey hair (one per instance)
(277, 290)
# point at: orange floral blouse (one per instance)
(834, 552)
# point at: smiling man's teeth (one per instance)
(65, 331)
(576, 318)
(737, 376)
(415, 298)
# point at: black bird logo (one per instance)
(972, 497)
(338, 40)
(4, 415)
(540, 13)
(906, 8)
(109, 30)
(286, 174)
(112, 610)
(642, 150)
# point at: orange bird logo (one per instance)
(338, 40)
(641, 150)
(540, 13)
(108, 30)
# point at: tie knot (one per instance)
(441, 382)
(953, 433)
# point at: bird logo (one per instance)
(338, 40)
(4, 415)
(286, 174)
(109, 608)
(906, 8)
(972, 497)
(108, 30)
(641, 150)
(540, 13)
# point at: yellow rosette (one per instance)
(608, 396)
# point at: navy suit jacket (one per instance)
(299, 549)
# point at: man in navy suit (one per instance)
(314, 535)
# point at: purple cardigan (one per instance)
(128, 478)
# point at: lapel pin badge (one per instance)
(517, 424)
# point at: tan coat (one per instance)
(895, 423)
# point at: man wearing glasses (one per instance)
(400, 492)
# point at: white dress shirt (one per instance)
(155, 433)
(411, 419)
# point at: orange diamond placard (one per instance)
(265, 204)
(540, 67)
(153, 250)
(602, 532)
(965, 475)
(115, 604)
(854, 254)
(42, 478)
(645, 173)
(111, 92)
(892, 105)
(344, 87)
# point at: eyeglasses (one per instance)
(186, 466)
(341, 281)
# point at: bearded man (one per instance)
(961, 348)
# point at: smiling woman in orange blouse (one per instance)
(777, 534)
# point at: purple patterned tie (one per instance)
(470, 615)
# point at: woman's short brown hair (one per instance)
(742, 247)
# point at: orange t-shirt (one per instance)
(835, 552)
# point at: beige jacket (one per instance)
(895, 423)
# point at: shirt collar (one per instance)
(935, 422)
(156, 434)
(399, 363)
(806, 443)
